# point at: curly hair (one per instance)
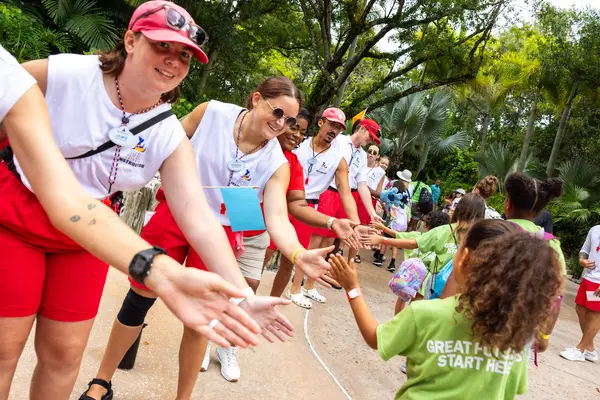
(530, 194)
(487, 186)
(510, 288)
(436, 218)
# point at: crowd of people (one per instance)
(77, 129)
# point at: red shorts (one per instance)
(581, 298)
(330, 204)
(162, 231)
(303, 231)
(41, 269)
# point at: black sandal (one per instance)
(106, 385)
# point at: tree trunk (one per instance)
(340, 92)
(423, 160)
(212, 57)
(562, 127)
(484, 129)
(137, 203)
(529, 133)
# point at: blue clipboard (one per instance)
(243, 209)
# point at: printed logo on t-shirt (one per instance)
(242, 180)
(464, 354)
(323, 168)
(141, 146)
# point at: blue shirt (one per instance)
(435, 192)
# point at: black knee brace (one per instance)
(134, 309)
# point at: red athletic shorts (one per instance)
(330, 204)
(162, 231)
(303, 231)
(581, 298)
(41, 269)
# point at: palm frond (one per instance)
(95, 30)
(58, 10)
(442, 147)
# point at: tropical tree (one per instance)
(497, 159)
(416, 123)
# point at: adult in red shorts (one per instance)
(233, 147)
(52, 226)
(588, 300)
(350, 147)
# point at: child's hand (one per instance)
(378, 225)
(343, 273)
(375, 239)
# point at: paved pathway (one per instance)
(290, 370)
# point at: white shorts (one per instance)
(251, 262)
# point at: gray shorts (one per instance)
(251, 262)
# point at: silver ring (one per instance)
(213, 323)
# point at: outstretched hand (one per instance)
(198, 297)
(344, 229)
(313, 264)
(271, 321)
(343, 272)
(364, 235)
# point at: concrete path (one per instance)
(291, 370)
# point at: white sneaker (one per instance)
(590, 355)
(206, 360)
(229, 364)
(572, 354)
(314, 295)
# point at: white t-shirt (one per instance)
(356, 159)
(374, 175)
(81, 114)
(591, 247)
(322, 172)
(14, 82)
(214, 146)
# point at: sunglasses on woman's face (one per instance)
(177, 21)
(373, 152)
(278, 113)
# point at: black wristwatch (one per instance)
(140, 266)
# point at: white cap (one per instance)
(405, 175)
(461, 191)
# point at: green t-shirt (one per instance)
(443, 359)
(417, 187)
(441, 241)
(427, 258)
(529, 226)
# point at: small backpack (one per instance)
(425, 201)
(400, 222)
(408, 279)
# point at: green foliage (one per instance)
(25, 39)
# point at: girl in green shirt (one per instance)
(478, 336)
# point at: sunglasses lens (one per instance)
(291, 121)
(198, 35)
(175, 19)
(277, 112)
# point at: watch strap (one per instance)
(354, 293)
(141, 264)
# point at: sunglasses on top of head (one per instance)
(278, 113)
(177, 21)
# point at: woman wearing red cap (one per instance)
(95, 104)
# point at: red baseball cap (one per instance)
(335, 115)
(151, 20)
(373, 128)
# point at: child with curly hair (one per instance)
(479, 336)
(486, 188)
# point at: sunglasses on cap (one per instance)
(177, 21)
(278, 114)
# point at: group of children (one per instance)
(501, 298)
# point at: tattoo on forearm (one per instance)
(91, 206)
(75, 218)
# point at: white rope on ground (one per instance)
(319, 358)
